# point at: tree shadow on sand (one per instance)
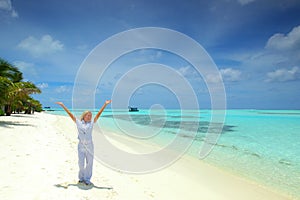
(11, 124)
(81, 186)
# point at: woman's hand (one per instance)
(101, 110)
(59, 103)
(66, 109)
(107, 102)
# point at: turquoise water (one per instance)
(260, 145)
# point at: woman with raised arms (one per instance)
(85, 145)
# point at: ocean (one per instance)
(259, 145)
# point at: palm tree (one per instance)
(14, 93)
(8, 75)
(17, 94)
(5, 83)
(32, 105)
(9, 71)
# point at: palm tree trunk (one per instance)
(7, 110)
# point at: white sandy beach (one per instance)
(39, 160)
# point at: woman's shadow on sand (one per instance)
(81, 186)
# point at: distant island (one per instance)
(48, 108)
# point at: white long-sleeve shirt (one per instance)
(85, 130)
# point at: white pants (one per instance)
(85, 161)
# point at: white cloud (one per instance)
(245, 2)
(185, 71)
(42, 85)
(45, 45)
(283, 75)
(280, 51)
(62, 89)
(26, 68)
(149, 54)
(188, 71)
(227, 74)
(6, 5)
(230, 74)
(282, 42)
(213, 78)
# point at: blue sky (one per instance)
(254, 43)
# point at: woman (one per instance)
(85, 145)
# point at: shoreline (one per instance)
(41, 155)
(223, 158)
(211, 166)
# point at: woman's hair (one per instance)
(84, 113)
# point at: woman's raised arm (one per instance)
(66, 109)
(101, 110)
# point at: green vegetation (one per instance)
(15, 93)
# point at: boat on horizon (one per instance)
(133, 109)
